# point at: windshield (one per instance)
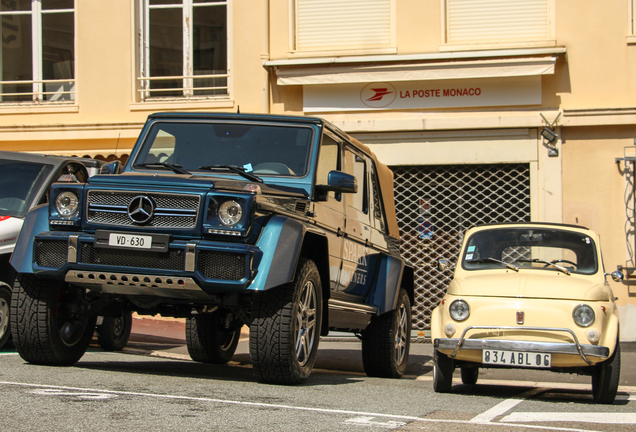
(531, 248)
(261, 149)
(19, 185)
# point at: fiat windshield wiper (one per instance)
(176, 168)
(536, 260)
(491, 259)
(233, 168)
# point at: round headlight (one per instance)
(459, 310)
(230, 213)
(583, 315)
(67, 204)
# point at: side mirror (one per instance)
(111, 168)
(444, 264)
(339, 182)
(617, 276)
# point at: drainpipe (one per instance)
(265, 56)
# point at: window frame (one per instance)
(143, 78)
(364, 188)
(549, 41)
(631, 22)
(37, 58)
(295, 51)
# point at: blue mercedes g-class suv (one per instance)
(285, 224)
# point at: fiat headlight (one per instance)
(459, 310)
(583, 315)
(230, 213)
(67, 204)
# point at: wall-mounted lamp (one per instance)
(550, 136)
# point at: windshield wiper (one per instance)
(234, 168)
(536, 260)
(490, 259)
(176, 168)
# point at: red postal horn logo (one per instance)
(378, 95)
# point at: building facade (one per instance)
(486, 110)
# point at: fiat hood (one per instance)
(531, 284)
(142, 180)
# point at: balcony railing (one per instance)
(183, 87)
(58, 90)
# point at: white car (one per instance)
(529, 296)
(24, 184)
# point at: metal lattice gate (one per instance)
(436, 204)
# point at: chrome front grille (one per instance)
(171, 210)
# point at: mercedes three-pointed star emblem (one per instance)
(141, 209)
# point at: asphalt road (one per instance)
(153, 386)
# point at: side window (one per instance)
(327, 161)
(378, 214)
(356, 165)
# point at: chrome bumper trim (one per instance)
(539, 347)
(548, 347)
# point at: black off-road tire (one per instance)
(40, 333)
(281, 318)
(386, 341)
(209, 340)
(606, 377)
(113, 333)
(5, 313)
(443, 373)
(470, 375)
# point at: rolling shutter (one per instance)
(339, 25)
(490, 21)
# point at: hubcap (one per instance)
(118, 327)
(401, 335)
(4, 317)
(306, 323)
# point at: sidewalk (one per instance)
(158, 329)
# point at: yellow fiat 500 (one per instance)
(528, 295)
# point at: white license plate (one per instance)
(130, 241)
(516, 358)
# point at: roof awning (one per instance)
(470, 69)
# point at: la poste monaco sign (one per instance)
(423, 94)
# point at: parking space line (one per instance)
(570, 417)
(499, 409)
(358, 414)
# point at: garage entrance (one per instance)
(436, 204)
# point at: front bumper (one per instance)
(573, 348)
(185, 268)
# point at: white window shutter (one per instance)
(342, 24)
(495, 21)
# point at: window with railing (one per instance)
(37, 56)
(183, 49)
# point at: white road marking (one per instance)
(583, 417)
(3, 354)
(264, 405)
(368, 421)
(496, 411)
(79, 395)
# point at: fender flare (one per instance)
(35, 222)
(392, 275)
(281, 242)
